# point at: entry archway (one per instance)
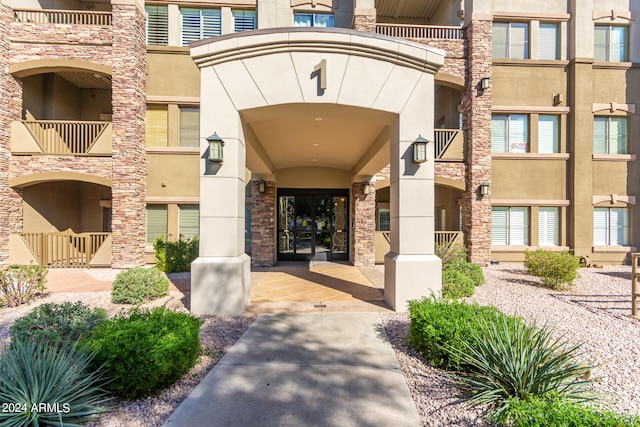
(334, 67)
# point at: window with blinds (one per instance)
(611, 43)
(199, 24)
(610, 135)
(244, 20)
(189, 221)
(610, 227)
(157, 25)
(510, 40)
(548, 226)
(548, 41)
(156, 222)
(189, 126)
(510, 226)
(548, 132)
(157, 126)
(384, 219)
(509, 133)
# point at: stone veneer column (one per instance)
(11, 96)
(363, 207)
(263, 224)
(364, 16)
(128, 191)
(476, 210)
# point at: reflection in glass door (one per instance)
(313, 224)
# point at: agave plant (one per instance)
(520, 360)
(42, 384)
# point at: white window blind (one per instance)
(499, 134)
(384, 219)
(200, 24)
(518, 133)
(519, 43)
(548, 134)
(500, 40)
(548, 225)
(610, 226)
(518, 226)
(600, 227)
(156, 223)
(157, 25)
(189, 221)
(618, 141)
(244, 20)
(611, 43)
(610, 135)
(189, 126)
(548, 41)
(156, 126)
(618, 44)
(499, 226)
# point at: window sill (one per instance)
(183, 50)
(531, 62)
(614, 249)
(613, 65)
(509, 248)
(614, 157)
(173, 150)
(532, 156)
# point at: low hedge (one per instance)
(138, 285)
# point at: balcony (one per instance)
(64, 249)
(420, 31)
(65, 17)
(449, 145)
(441, 238)
(61, 137)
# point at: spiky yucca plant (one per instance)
(519, 360)
(43, 384)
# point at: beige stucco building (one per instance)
(112, 110)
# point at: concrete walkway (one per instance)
(312, 369)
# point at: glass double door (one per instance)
(313, 224)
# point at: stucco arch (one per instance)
(40, 66)
(450, 183)
(266, 69)
(37, 178)
(449, 80)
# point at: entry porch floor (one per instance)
(316, 286)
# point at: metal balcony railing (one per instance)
(65, 137)
(420, 31)
(449, 144)
(64, 249)
(68, 17)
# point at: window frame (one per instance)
(379, 221)
(183, 208)
(181, 132)
(244, 12)
(608, 231)
(203, 19)
(509, 43)
(509, 144)
(556, 142)
(509, 232)
(557, 40)
(608, 46)
(543, 230)
(608, 134)
(164, 208)
(314, 15)
(160, 24)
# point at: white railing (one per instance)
(420, 31)
(65, 137)
(69, 17)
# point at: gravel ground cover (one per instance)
(595, 312)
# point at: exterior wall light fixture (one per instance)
(366, 189)
(420, 149)
(261, 187)
(485, 82)
(215, 148)
(484, 189)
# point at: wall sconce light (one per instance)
(420, 149)
(485, 82)
(215, 148)
(261, 187)
(367, 188)
(484, 189)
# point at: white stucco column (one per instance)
(220, 277)
(411, 268)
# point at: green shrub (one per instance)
(436, 324)
(451, 251)
(175, 257)
(36, 373)
(555, 268)
(456, 284)
(20, 283)
(517, 360)
(138, 285)
(57, 322)
(469, 269)
(557, 412)
(145, 351)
